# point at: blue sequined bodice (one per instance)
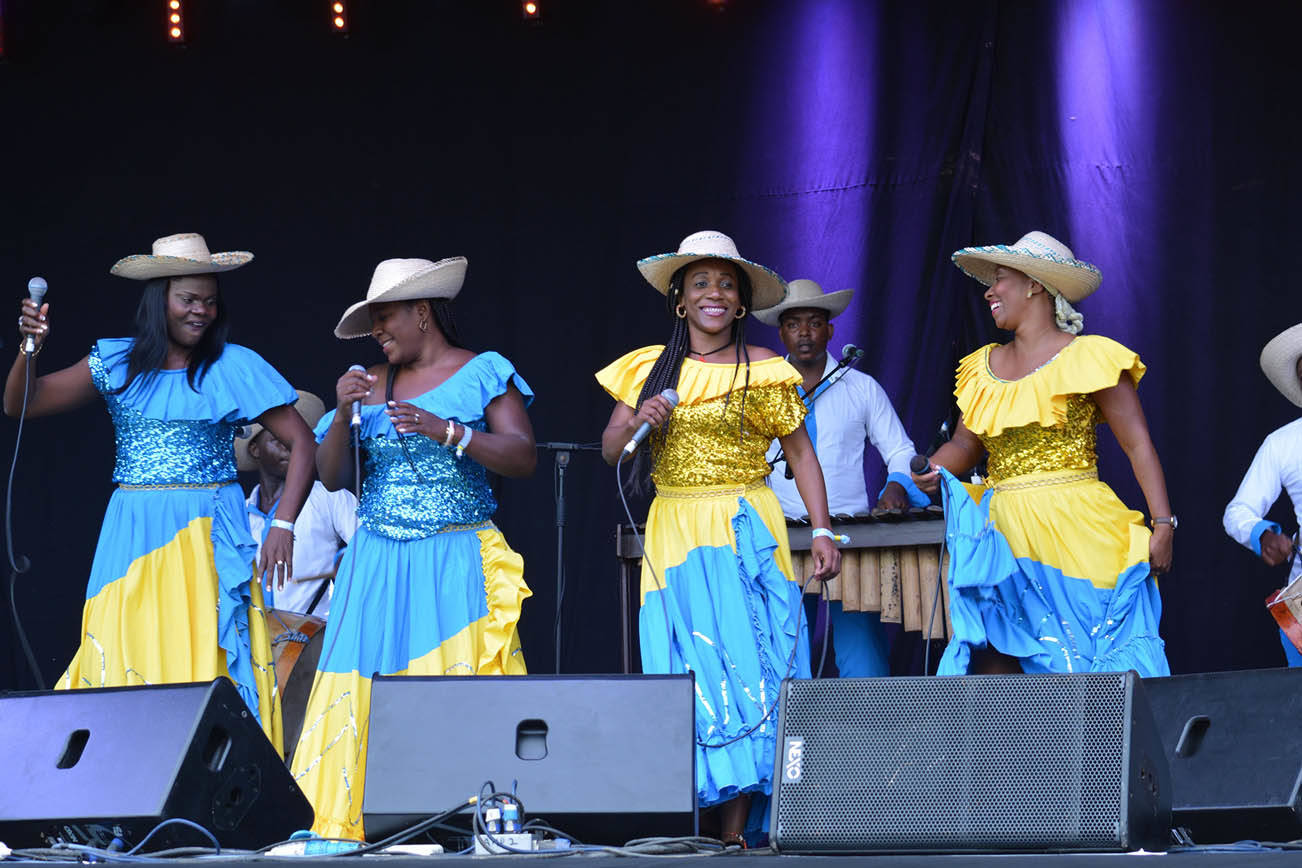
(165, 452)
(398, 504)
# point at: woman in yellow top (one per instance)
(718, 598)
(1050, 572)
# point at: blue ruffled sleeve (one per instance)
(237, 388)
(462, 397)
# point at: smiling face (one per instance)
(191, 308)
(805, 332)
(711, 295)
(395, 325)
(1007, 297)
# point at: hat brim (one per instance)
(443, 279)
(145, 266)
(767, 286)
(1279, 363)
(1073, 279)
(309, 406)
(834, 303)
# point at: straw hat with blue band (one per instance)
(767, 286)
(1038, 255)
(178, 256)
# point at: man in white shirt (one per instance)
(845, 410)
(325, 524)
(1277, 465)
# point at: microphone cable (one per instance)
(19, 564)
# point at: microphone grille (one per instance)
(36, 289)
(671, 396)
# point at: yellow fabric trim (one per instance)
(158, 625)
(697, 382)
(1088, 364)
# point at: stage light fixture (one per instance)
(339, 16)
(175, 21)
(531, 10)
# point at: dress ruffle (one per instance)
(237, 388)
(462, 396)
(1088, 364)
(697, 381)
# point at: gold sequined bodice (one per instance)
(1036, 448)
(705, 444)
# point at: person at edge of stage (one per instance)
(427, 564)
(173, 595)
(1276, 466)
(1050, 571)
(849, 407)
(325, 523)
(718, 598)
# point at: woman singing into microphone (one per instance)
(718, 598)
(172, 596)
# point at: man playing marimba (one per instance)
(845, 409)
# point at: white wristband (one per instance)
(465, 439)
(282, 524)
(834, 537)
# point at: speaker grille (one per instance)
(972, 763)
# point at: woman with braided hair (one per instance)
(718, 596)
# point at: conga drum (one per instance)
(296, 641)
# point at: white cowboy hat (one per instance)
(403, 280)
(1038, 255)
(177, 256)
(1279, 363)
(806, 293)
(309, 406)
(767, 286)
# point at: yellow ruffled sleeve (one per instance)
(1088, 364)
(623, 378)
(697, 381)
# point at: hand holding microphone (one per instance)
(926, 477)
(654, 411)
(351, 389)
(32, 322)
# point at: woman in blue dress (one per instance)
(428, 585)
(172, 596)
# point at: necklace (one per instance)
(711, 352)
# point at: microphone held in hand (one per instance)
(36, 289)
(919, 464)
(356, 421)
(669, 395)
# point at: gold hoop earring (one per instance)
(741, 312)
(424, 325)
(681, 310)
(1030, 293)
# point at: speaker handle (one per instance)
(1191, 737)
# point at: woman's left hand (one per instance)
(410, 419)
(827, 558)
(1159, 548)
(276, 565)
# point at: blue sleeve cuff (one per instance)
(916, 497)
(1257, 530)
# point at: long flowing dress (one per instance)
(427, 587)
(1047, 564)
(172, 596)
(718, 597)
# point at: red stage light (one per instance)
(175, 21)
(531, 10)
(339, 16)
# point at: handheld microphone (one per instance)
(850, 351)
(669, 395)
(919, 464)
(356, 421)
(36, 289)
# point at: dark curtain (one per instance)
(855, 143)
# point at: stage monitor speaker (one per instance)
(604, 758)
(1235, 750)
(88, 766)
(984, 763)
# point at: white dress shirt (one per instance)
(1277, 465)
(852, 409)
(326, 522)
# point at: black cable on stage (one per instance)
(19, 564)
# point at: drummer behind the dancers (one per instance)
(1276, 466)
(325, 524)
(844, 410)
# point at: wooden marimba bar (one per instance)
(890, 565)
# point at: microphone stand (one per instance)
(561, 461)
(844, 364)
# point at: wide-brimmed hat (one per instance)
(177, 256)
(803, 293)
(1038, 255)
(309, 406)
(767, 286)
(1279, 362)
(403, 280)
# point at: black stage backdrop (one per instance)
(856, 143)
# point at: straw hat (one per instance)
(177, 256)
(806, 293)
(309, 406)
(767, 286)
(1039, 255)
(403, 280)
(1279, 363)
